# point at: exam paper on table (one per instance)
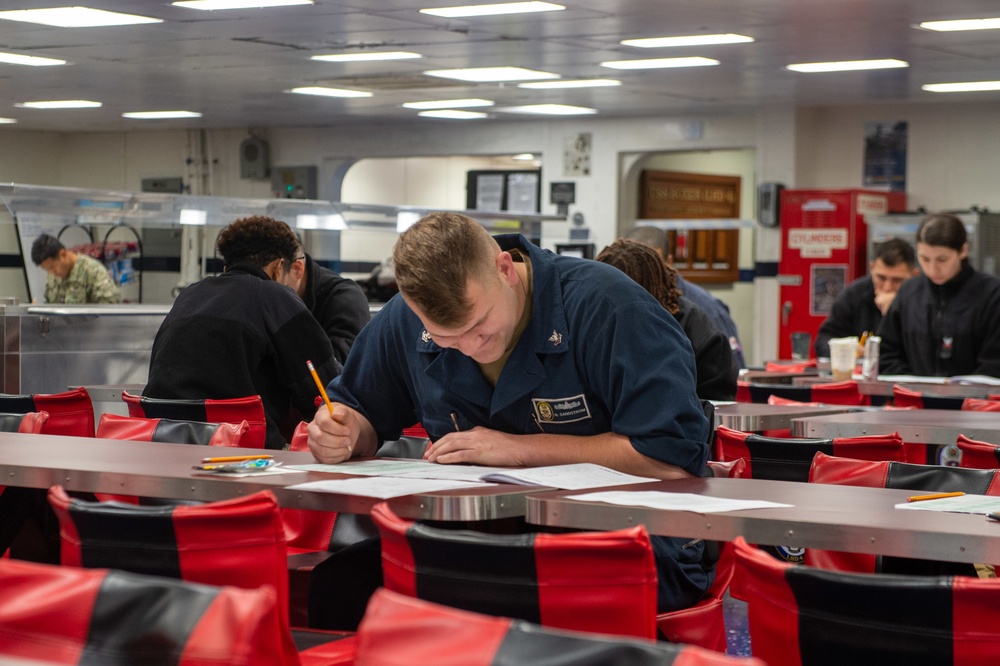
(963, 504)
(655, 499)
(384, 487)
(567, 477)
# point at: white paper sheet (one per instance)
(567, 477)
(384, 487)
(983, 504)
(675, 501)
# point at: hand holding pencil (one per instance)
(339, 425)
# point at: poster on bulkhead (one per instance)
(885, 155)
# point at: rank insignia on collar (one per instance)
(425, 337)
(555, 338)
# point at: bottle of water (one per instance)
(869, 367)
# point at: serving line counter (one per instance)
(831, 517)
(153, 469)
(47, 348)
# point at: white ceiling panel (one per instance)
(234, 66)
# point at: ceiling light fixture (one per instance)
(60, 104)
(493, 10)
(329, 92)
(75, 17)
(33, 61)
(452, 114)
(523, 157)
(551, 110)
(367, 57)
(8, 121)
(491, 74)
(575, 83)
(193, 217)
(847, 65)
(968, 86)
(332, 221)
(687, 40)
(449, 104)
(661, 63)
(212, 5)
(962, 24)
(160, 115)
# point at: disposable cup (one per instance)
(843, 356)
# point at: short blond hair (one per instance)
(435, 259)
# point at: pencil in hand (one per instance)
(319, 385)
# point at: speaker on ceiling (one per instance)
(254, 159)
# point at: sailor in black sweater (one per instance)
(244, 332)
(947, 321)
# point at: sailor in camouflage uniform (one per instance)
(73, 277)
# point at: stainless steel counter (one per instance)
(49, 348)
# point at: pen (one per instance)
(454, 421)
(225, 459)
(921, 498)
(319, 385)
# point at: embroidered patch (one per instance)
(561, 410)
(793, 554)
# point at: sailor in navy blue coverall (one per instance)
(598, 371)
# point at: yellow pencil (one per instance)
(921, 498)
(319, 385)
(225, 459)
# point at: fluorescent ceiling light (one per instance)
(687, 40)
(969, 86)
(493, 10)
(329, 92)
(212, 5)
(75, 17)
(193, 217)
(551, 109)
(523, 157)
(449, 104)
(847, 65)
(7, 121)
(406, 219)
(365, 57)
(660, 63)
(962, 24)
(576, 83)
(491, 74)
(453, 114)
(160, 115)
(333, 221)
(60, 104)
(34, 61)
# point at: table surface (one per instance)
(154, 469)
(754, 417)
(921, 426)
(832, 517)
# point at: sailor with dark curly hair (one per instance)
(244, 332)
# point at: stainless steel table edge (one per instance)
(154, 469)
(759, 419)
(948, 537)
(914, 426)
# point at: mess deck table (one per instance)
(153, 469)
(832, 517)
